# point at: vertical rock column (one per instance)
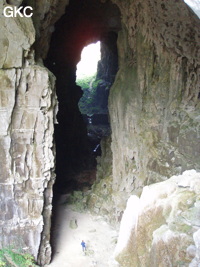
(27, 104)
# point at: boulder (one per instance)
(161, 228)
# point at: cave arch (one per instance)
(154, 105)
(84, 22)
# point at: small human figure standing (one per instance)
(83, 245)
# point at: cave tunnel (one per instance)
(84, 22)
(154, 114)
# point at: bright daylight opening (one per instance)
(195, 6)
(86, 78)
(89, 58)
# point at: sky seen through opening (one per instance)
(89, 58)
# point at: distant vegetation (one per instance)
(88, 103)
(12, 258)
(84, 81)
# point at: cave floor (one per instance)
(99, 236)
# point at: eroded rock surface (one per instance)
(27, 112)
(154, 103)
(16, 37)
(161, 228)
(154, 113)
(27, 160)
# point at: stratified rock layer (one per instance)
(154, 113)
(154, 103)
(162, 227)
(27, 107)
(27, 159)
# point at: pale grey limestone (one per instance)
(27, 116)
(154, 112)
(27, 157)
(16, 37)
(154, 105)
(161, 228)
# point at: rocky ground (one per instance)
(71, 227)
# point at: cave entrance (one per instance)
(86, 78)
(83, 23)
(93, 104)
(89, 104)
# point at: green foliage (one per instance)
(88, 102)
(11, 258)
(96, 83)
(85, 81)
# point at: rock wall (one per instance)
(46, 14)
(154, 103)
(27, 107)
(162, 227)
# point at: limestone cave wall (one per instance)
(153, 105)
(27, 111)
(154, 102)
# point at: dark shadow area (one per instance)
(84, 22)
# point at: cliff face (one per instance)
(153, 107)
(154, 102)
(27, 107)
